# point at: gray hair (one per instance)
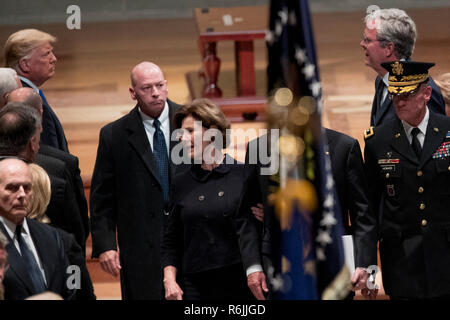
(8, 81)
(394, 25)
(18, 125)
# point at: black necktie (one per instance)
(32, 267)
(415, 144)
(162, 160)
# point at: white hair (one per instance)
(8, 81)
(394, 25)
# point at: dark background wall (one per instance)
(54, 11)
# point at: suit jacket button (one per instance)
(419, 173)
(201, 198)
(424, 223)
(420, 190)
(387, 175)
(422, 206)
(221, 193)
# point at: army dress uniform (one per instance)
(410, 195)
(414, 196)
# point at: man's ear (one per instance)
(390, 50)
(24, 65)
(428, 91)
(132, 93)
(34, 145)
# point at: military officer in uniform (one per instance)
(407, 162)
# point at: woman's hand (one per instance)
(171, 287)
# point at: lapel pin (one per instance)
(397, 135)
(436, 130)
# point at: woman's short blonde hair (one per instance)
(22, 43)
(41, 193)
(208, 113)
(444, 83)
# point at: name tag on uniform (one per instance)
(388, 165)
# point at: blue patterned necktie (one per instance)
(44, 101)
(32, 267)
(162, 160)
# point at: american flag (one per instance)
(311, 260)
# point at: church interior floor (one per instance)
(90, 88)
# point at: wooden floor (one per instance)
(90, 87)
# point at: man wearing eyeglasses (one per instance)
(390, 35)
(407, 163)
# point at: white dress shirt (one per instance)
(165, 126)
(385, 88)
(422, 127)
(31, 84)
(11, 229)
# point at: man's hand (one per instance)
(109, 261)
(258, 212)
(257, 283)
(360, 281)
(370, 294)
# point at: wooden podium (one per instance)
(242, 25)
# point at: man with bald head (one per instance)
(129, 189)
(27, 96)
(35, 251)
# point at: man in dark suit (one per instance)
(36, 258)
(407, 162)
(130, 186)
(349, 178)
(71, 174)
(19, 135)
(390, 35)
(3, 263)
(30, 53)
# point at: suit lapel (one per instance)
(43, 243)
(139, 141)
(16, 263)
(401, 143)
(376, 102)
(433, 138)
(383, 109)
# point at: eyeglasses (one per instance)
(367, 40)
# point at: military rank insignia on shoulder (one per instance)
(368, 133)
